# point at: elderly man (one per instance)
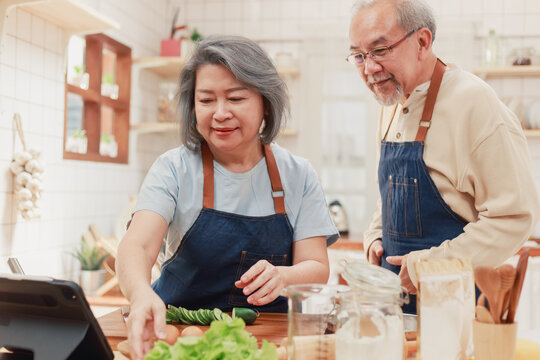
(453, 168)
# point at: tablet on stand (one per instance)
(43, 318)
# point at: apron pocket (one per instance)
(403, 207)
(247, 260)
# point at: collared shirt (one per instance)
(478, 158)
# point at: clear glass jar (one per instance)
(370, 319)
(312, 319)
(166, 102)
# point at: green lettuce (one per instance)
(226, 339)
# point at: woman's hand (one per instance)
(262, 283)
(146, 322)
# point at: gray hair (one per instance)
(249, 63)
(411, 14)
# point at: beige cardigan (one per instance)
(478, 157)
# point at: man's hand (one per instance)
(375, 252)
(403, 273)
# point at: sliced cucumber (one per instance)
(217, 314)
(193, 317)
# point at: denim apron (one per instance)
(219, 247)
(414, 214)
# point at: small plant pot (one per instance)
(108, 148)
(110, 90)
(80, 80)
(187, 48)
(91, 280)
(77, 145)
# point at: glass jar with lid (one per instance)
(370, 319)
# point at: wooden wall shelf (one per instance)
(532, 133)
(86, 95)
(170, 66)
(97, 118)
(115, 104)
(289, 132)
(289, 71)
(508, 71)
(164, 66)
(157, 127)
(70, 15)
(154, 127)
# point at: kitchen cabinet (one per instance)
(501, 72)
(168, 69)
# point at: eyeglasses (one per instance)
(376, 54)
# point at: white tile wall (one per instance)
(78, 193)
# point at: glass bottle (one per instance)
(491, 55)
(166, 102)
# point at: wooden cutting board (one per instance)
(123, 348)
(113, 324)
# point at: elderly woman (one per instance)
(243, 217)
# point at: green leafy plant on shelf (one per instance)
(79, 70)
(107, 78)
(196, 35)
(106, 138)
(89, 257)
(79, 134)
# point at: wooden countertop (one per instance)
(354, 242)
(269, 326)
(349, 242)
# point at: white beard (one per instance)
(393, 98)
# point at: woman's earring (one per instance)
(263, 125)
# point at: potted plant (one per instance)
(77, 142)
(189, 43)
(108, 86)
(92, 275)
(80, 78)
(108, 145)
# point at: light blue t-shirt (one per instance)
(173, 188)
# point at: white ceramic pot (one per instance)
(91, 280)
